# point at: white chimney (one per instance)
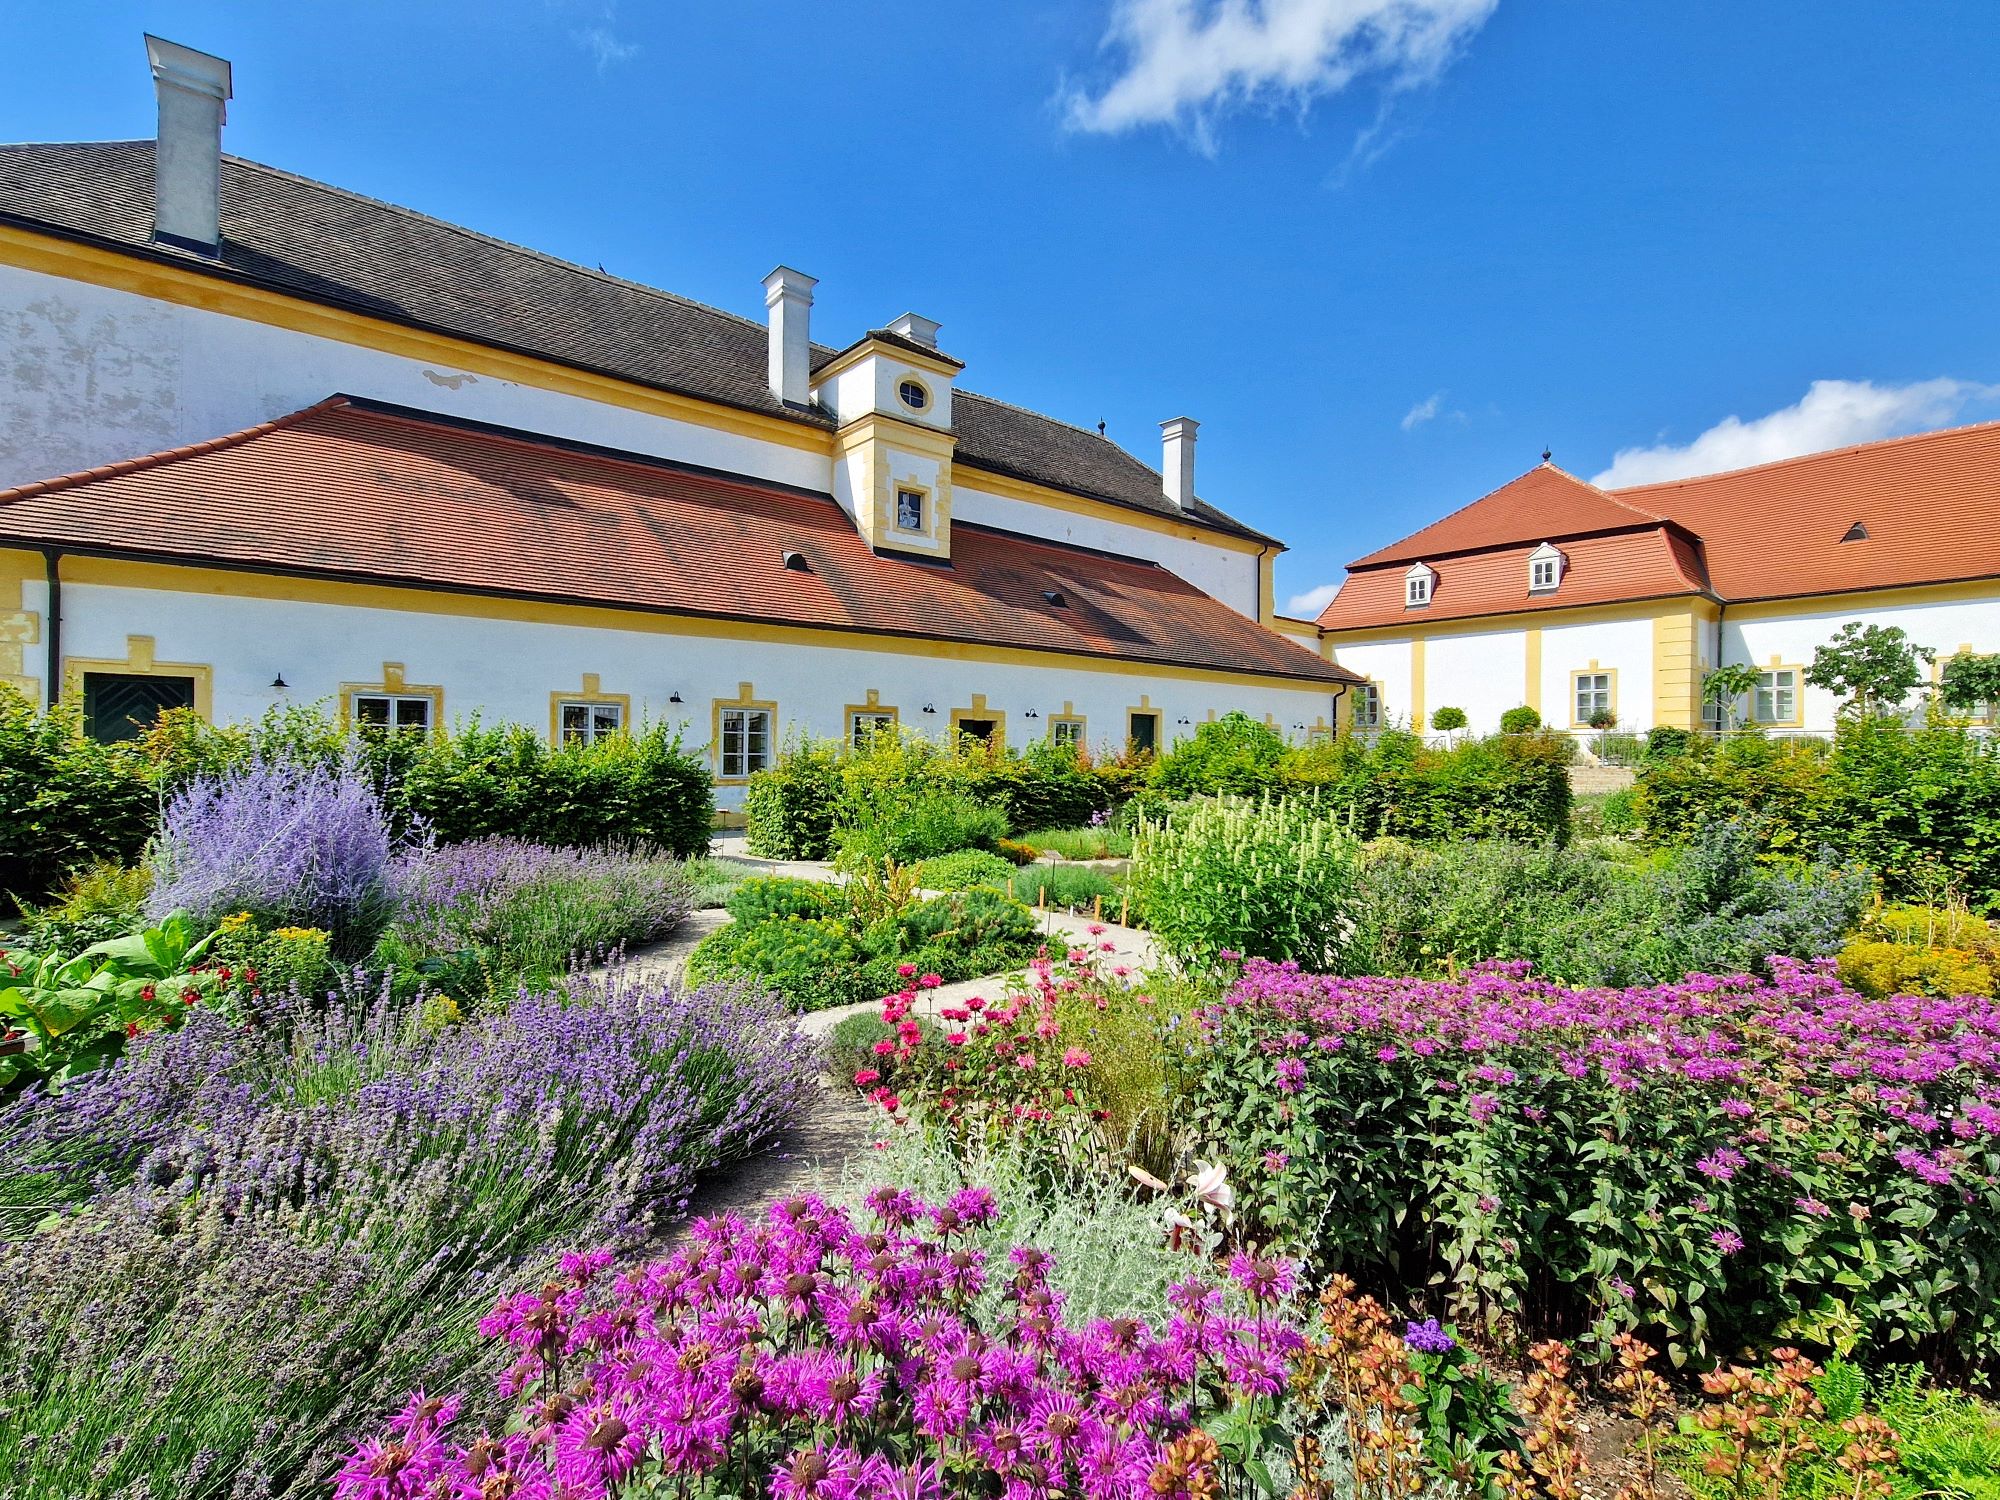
(918, 330)
(187, 156)
(1177, 461)
(788, 295)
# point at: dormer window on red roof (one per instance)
(1545, 570)
(1417, 586)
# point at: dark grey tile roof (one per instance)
(333, 246)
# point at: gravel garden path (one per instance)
(840, 1124)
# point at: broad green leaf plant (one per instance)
(66, 1016)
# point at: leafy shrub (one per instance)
(290, 844)
(1665, 742)
(813, 962)
(1920, 950)
(1727, 1161)
(1520, 720)
(920, 825)
(964, 934)
(1908, 803)
(70, 802)
(964, 870)
(1591, 914)
(288, 1227)
(764, 898)
(1048, 785)
(641, 787)
(1233, 754)
(97, 902)
(790, 809)
(1016, 852)
(1269, 877)
(1100, 842)
(1447, 719)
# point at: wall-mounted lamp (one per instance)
(929, 709)
(1182, 721)
(1031, 714)
(279, 682)
(674, 698)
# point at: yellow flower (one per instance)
(233, 924)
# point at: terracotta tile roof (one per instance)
(328, 245)
(350, 489)
(1604, 569)
(1543, 504)
(1930, 504)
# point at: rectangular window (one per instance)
(1418, 589)
(587, 723)
(396, 713)
(1593, 695)
(1367, 706)
(1776, 700)
(1542, 574)
(746, 742)
(1066, 732)
(1142, 731)
(909, 510)
(124, 705)
(862, 728)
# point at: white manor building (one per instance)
(1584, 603)
(262, 439)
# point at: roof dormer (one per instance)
(890, 393)
(1546, 566)
(1418, 586)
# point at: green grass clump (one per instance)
(1082, 843)
(965, 870)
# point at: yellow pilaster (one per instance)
(1531, 689)
(1676, 669)
(20, 627)
(1417, 720)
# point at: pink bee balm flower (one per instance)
(864, 1077)
(906, 971)
(1025, 1060)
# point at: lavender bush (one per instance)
(286, 841)
(271, 1233)
(510, 912)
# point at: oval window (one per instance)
(913, 395)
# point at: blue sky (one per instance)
(1385, 250)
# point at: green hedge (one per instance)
(1512, 786)
(71, 801)
(1919, 806)
(789, 811)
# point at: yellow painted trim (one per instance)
(1417, 684)
(877, 441)
(1862, 599)
(917, 380)
(1069, 715)
(1677, 669)
(188, 288)
(394, 684)
(140, 662)
(592, 693)
(1583, 614)
(969, 476)
(1532, 696)
(176, 578)
(874, 705)
(979, 710)
(1798, 718)
(746, 697)
(1593, 670)
(20, 626)
(895, 354)
(1267, 599)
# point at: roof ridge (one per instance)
(1607, 494)
(1482, 499)
(1800, 458)
(169, 455)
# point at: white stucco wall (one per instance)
(1483, 674)
(89, 376)
(1621, 646)
(1226, 575)
(506, 669)
(1387, 665)
(1790, 638)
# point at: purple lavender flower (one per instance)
(1429, 1337)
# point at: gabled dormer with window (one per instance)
(891, 395)
(1418, 586)
(1545, 569)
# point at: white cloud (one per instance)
(1831, 414)
(1307, 606)
(596, 31)
(1423, 411)
(602, 43)
(1186, 62)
